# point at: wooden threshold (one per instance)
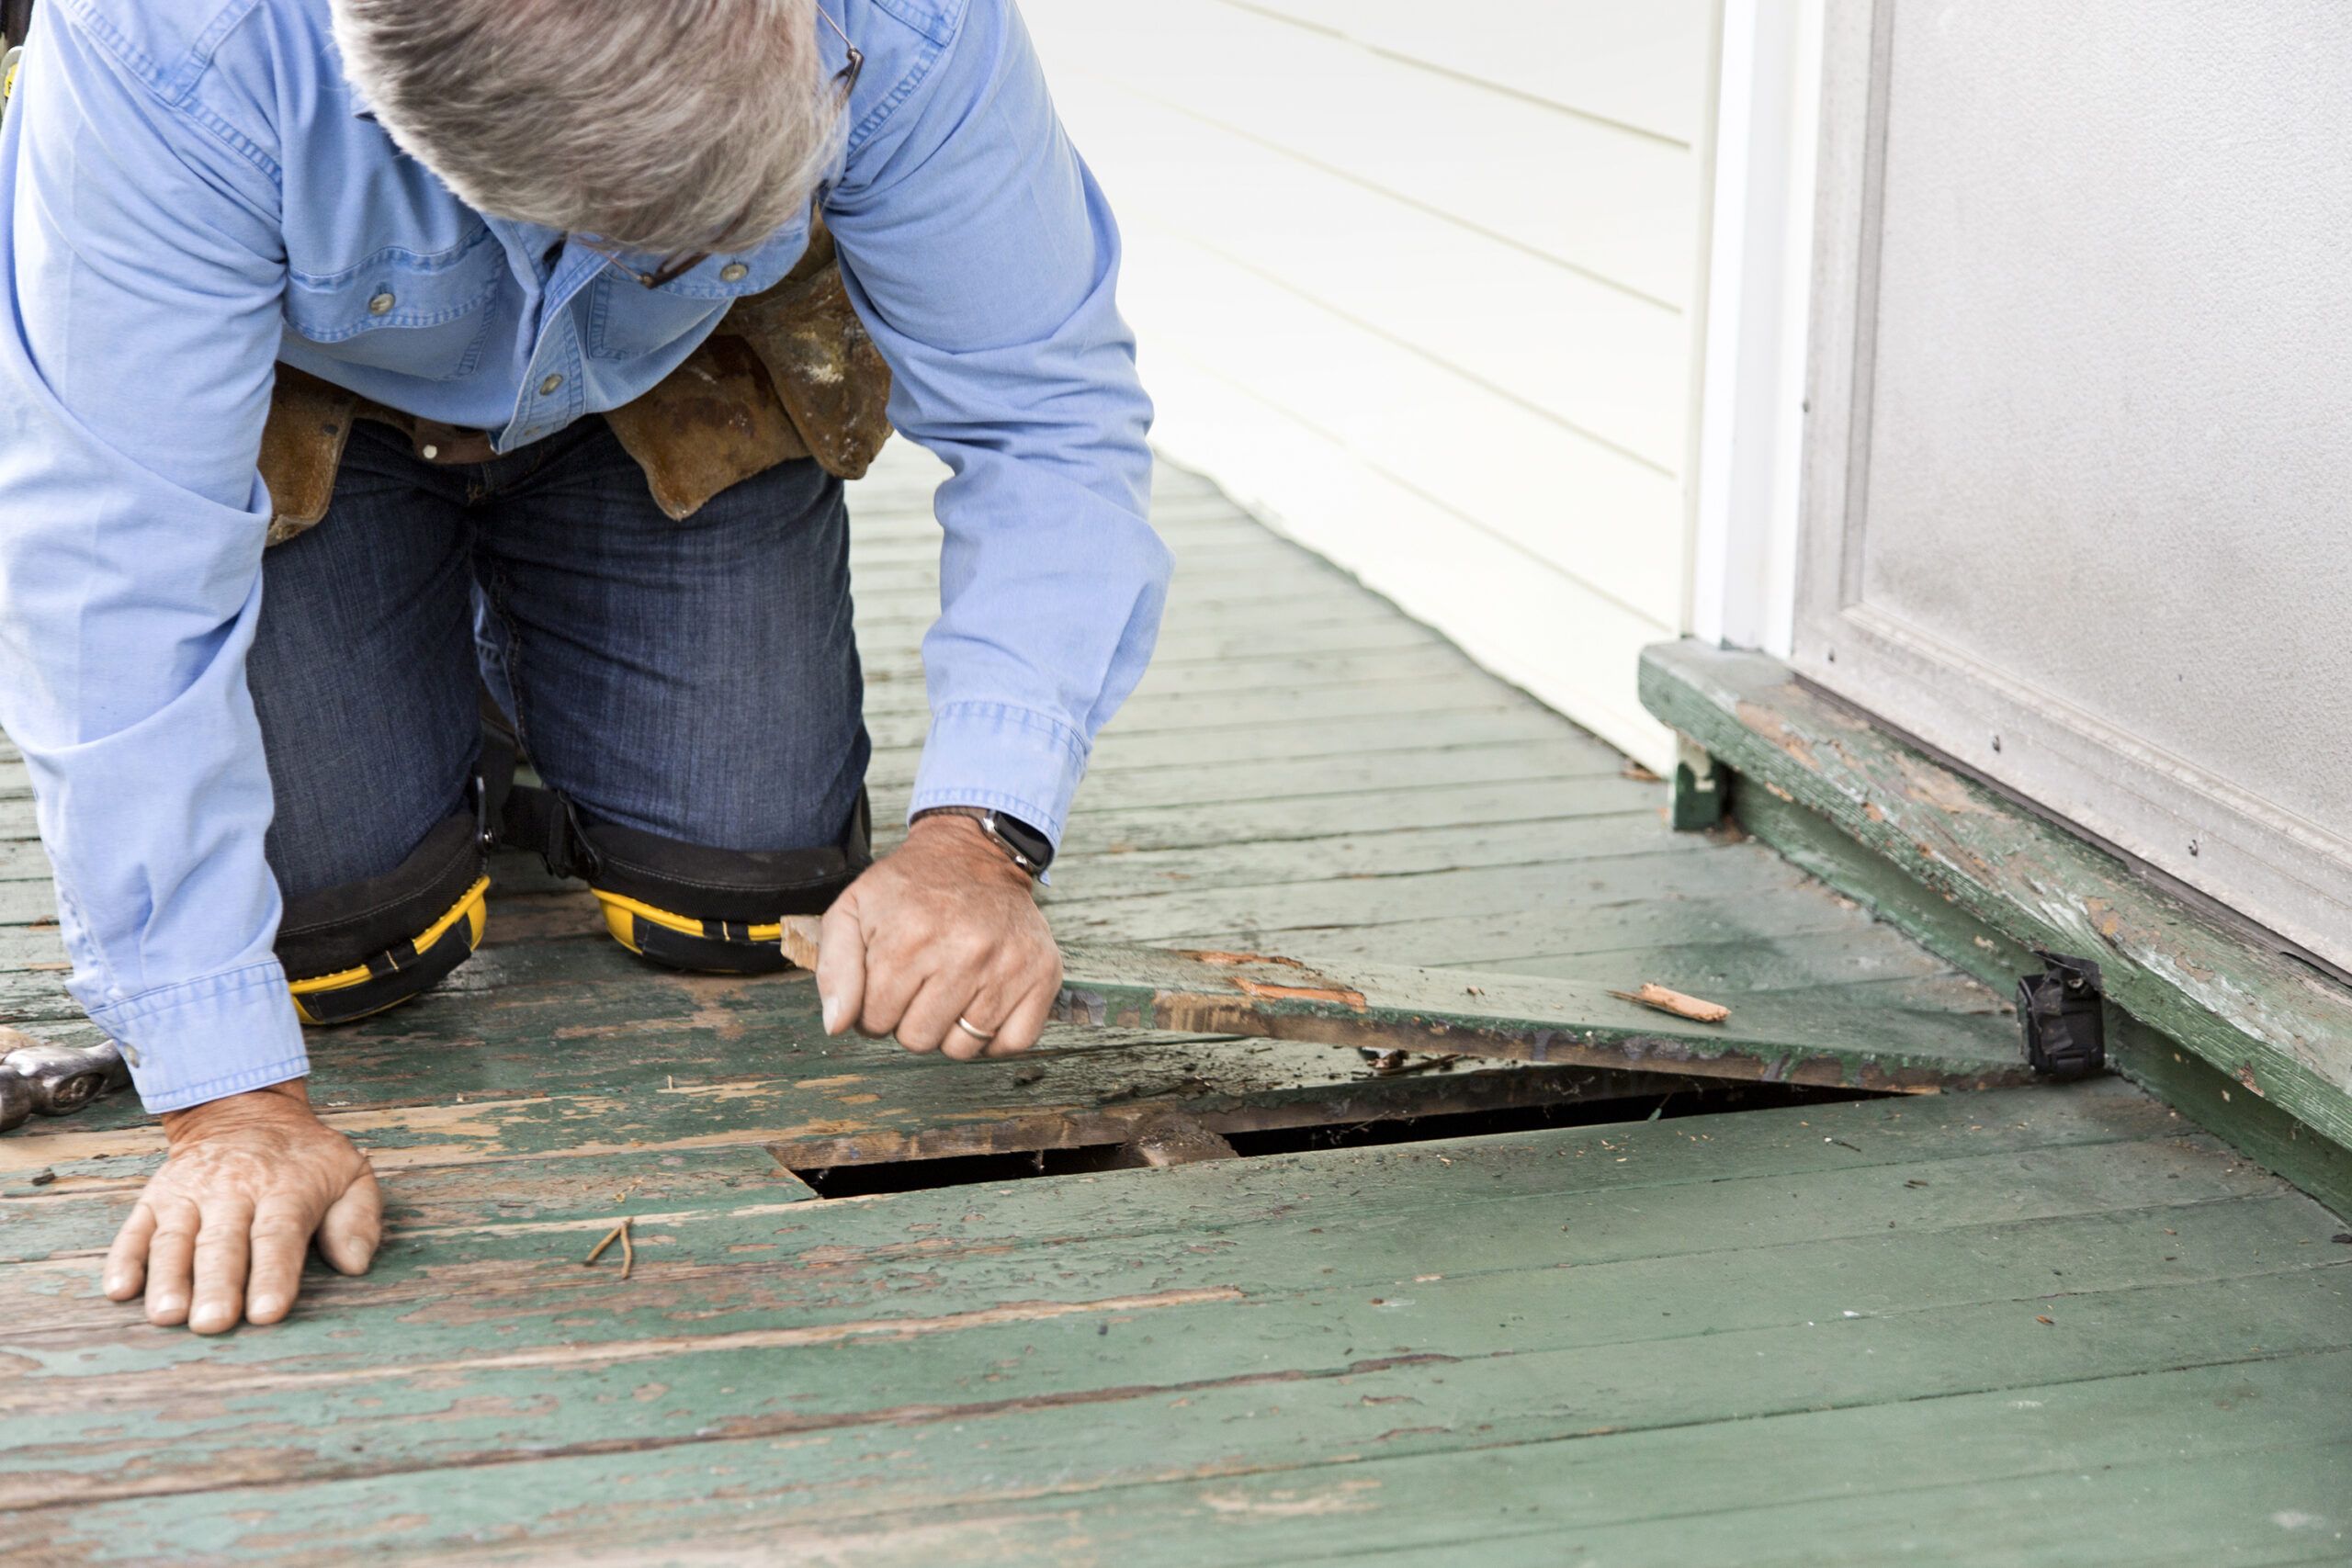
(1979, 879)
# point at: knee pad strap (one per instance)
(357, 949)
(681, 941)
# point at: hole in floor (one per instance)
(1703, 1098)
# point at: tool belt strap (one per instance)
(791, 373)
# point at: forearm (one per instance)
(143, 268)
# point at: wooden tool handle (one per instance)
(800, 940)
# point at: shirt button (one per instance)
(548, 386)
(733, 272)
(381, 304)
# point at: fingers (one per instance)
(171, 1263)
(896, 974)
(929, 1022)
(223, 1249)
(126, 1267)
(281, 1238)
(1028, 1019)
(841, 964)
(971, 988)
(353, 1225)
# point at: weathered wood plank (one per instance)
(1408, 935)
(1831, 1139)
(1411, 681)
(1081, 874)
(1574, 889)
(78, 1218)
(1304, 736)
(2223, 1505)
(895, 619)
(1914, 1338)
(1068, 1099)
(1856, 953)
(829, 1273)
(1349, 1449)
(1096, 830)
(1485, 1013)
(463, 1396)
(1406, 702)
(2280, 1027)
(1121, 789)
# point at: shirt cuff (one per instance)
(1012, 759)
(210, 1038)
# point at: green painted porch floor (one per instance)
(2036, 1326)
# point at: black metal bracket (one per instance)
(2061, 1013)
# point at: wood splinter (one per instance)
(1653, 995)
(619, 1233)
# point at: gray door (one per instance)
(2079, 463)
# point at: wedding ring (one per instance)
(982, 1035)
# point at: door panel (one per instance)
(2082, 421)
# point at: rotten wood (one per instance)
(1173, 1138)
(1384, 1007)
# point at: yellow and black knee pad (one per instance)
(688, 906)
(717, 911)
(358, 949)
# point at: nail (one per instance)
(832, 1008)
(264, 1306)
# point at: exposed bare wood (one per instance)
(1653, 995)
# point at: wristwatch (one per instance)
(1027, 848)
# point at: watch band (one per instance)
(1024, 845)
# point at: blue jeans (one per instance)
(698, 681)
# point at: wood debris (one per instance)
(619, 1233)
(1171, 1138)
(1653, 995)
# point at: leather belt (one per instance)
(447, 446)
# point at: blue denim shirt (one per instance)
(194, 194)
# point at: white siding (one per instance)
(1413, 281)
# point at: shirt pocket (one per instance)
(421, 315)
(628, 321)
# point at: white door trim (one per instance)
(1750, 423)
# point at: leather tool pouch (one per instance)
(301, 448)
(791, 373)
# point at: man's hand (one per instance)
(945, 927)
(223, 1229)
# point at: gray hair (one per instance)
(657, 125)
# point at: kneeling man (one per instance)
(391, 388)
